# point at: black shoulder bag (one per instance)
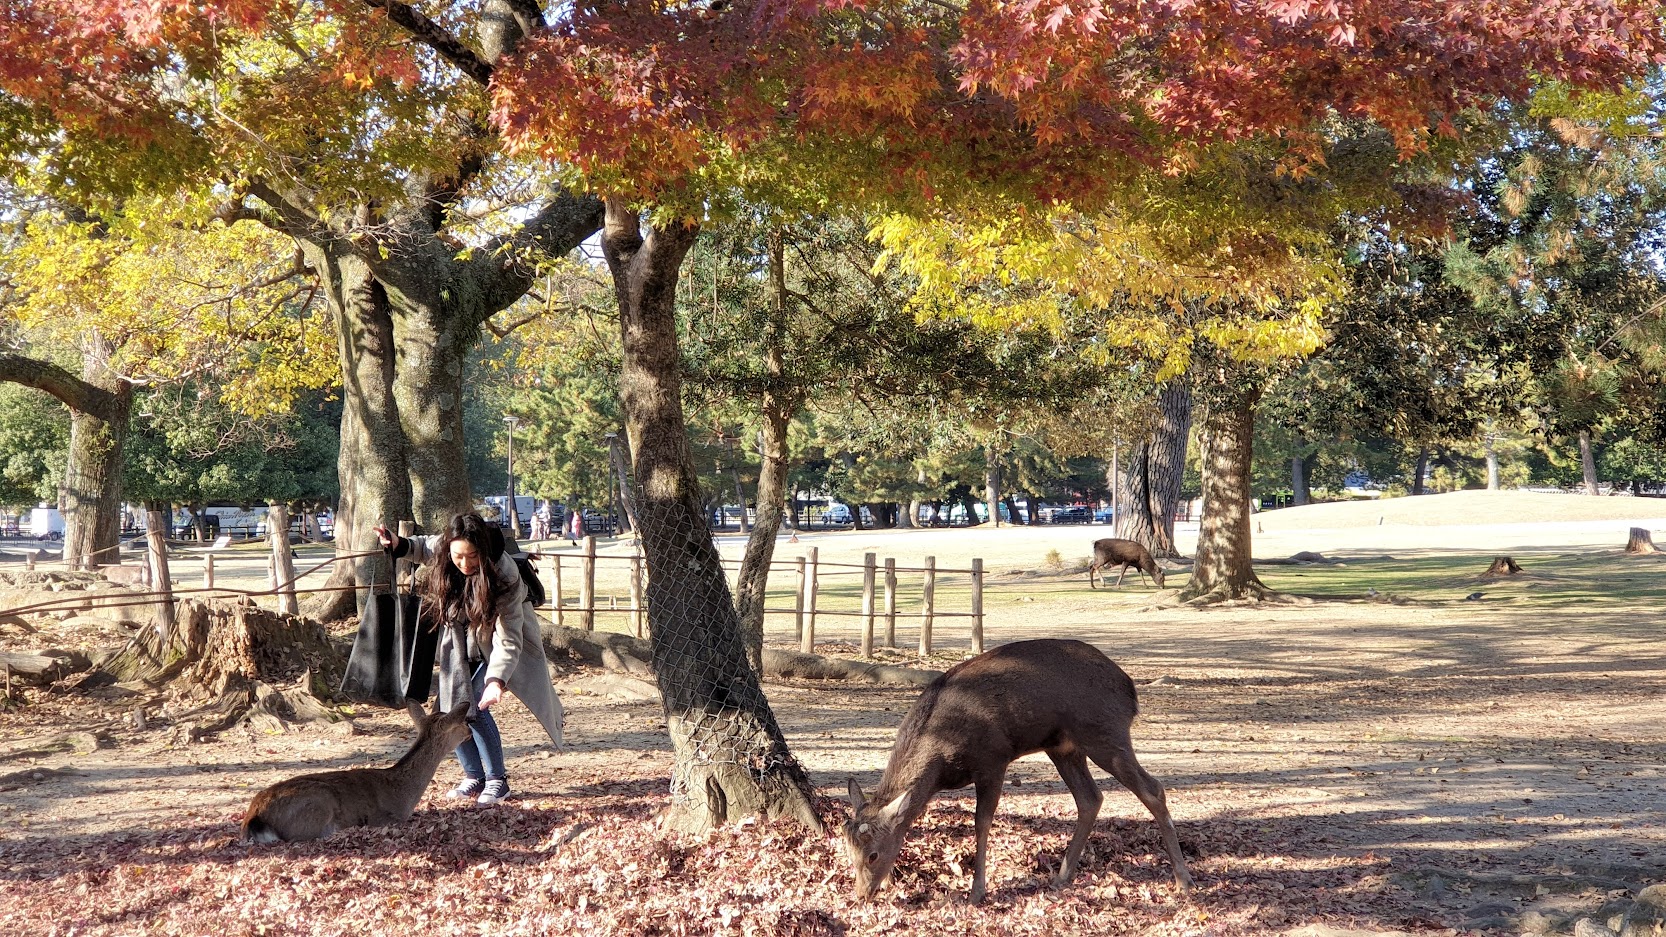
(393, 654)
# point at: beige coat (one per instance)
(515, 657)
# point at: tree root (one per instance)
(227, 663)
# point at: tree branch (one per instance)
(45, 376)
(431, 34)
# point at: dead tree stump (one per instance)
(1503, 566)
(1641, 542)
(225, 663)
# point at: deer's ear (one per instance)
(855, 791)
(415, 709)
(888, 815)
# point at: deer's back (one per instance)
(350, 797)
(1016, 699)
(1119, 550)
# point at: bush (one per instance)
(1053, 560)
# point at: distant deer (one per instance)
(314, 806)
(1061, 697)
(1114, 551)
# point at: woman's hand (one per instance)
(490, 695)
(385, 537)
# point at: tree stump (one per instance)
(1503, 566)
(227, 660)
(1641, 542)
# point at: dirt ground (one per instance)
(1382, 759)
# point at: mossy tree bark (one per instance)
(731, 759)
(1222, 569)
(100, 402)
(1155, 472)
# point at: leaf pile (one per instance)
(593, 862)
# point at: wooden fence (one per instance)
(881, 589)
(879, 606)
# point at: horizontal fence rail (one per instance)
(881, 601)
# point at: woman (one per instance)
(489, 641)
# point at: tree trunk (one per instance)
(731, 759)
(1223, 569)
(92, 479)
(970, 507)
(622, 477)
(1155, 473)
(1301, 491)
(1641, 541)
(1588, 463)
(371, 464)
(1420, 471)
(1492, 460)
(992, 483)
(752, 583)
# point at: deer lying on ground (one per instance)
(1114, 551)
(1061, 697)
(314, 806)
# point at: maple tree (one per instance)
(322, 124)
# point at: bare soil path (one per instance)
(1389, 756)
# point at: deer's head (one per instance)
(1157, 576)
(873, 836)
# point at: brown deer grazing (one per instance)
(314, 806)
(1061, 697)
(1115, 551)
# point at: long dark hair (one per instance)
(466, 600)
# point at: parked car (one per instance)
(1104, 516)
(836, 514)
(1072, 514)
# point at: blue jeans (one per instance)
(482, 755)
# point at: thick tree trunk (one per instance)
(970, 506)
(992, 483)
(1588, 463)
(1155, 473)
(731, 759)
(1223, 569)
(92, 479)
(371, 465)
(100, 402)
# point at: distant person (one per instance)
(575, 525)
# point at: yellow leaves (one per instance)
(176, 299)
(1154, 287)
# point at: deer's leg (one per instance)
(1121, 574)
(1091, 568)
(989, 794)
(1120, 762)
(1073, 767)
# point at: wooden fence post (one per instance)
(29, 560)
(890, 601)
(808, 643)
(798, 603)
(928, 604)
(977, 605)
(555, 585)
(587, 586)
(157, 543)
(283, 563)
(867, 604)
(636, 595)
(208, 571)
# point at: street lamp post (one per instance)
(514, 516)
